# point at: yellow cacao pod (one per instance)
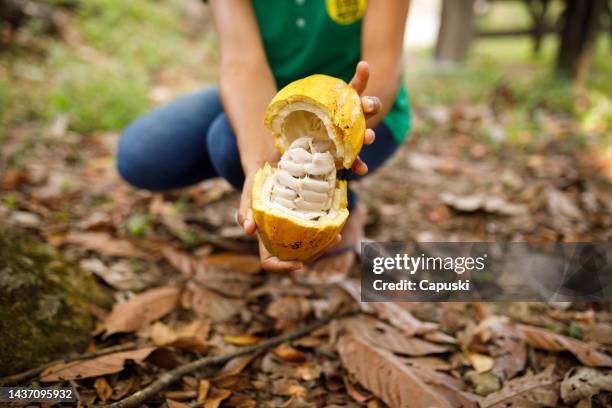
(300, 206)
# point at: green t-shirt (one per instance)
(305, 37)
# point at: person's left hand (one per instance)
(371, 105)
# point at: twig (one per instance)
(33, 372)
(170, 377)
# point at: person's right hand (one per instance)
(271, 263)
(244, 217)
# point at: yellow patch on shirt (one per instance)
(345, 11)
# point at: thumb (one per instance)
(248, 223)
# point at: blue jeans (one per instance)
(190, 140)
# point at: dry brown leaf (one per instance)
(383, 335)
(188, 337)
(560, 206)
(97, 221)
(506, 346)
(170, 216)
(481, 363)
(180, 260)
(98, 242)
(25, 219)
(215, 397)
(234, 367)
(241, 340)
(385, 375)
(203, 389)
(356, 394)
(124, 387)
(401, 318)
(429, 363)
(301, 371)
(162, 334)
(288, 353)
(119, 275)
(374, 403)
(598, 332)
(207, 304)
(12, 178)
(440, 337)
(175, 404)
(107, 364)
(484, 202)
(243, 263)
(103, 389)
(288, 387)
(141, 310)
(547, 340)
(228, 282)
(181, 395)
(483, 384)
(519, 387)
(288, 311)
(241, 401)
(584, 382)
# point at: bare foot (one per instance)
(335, 264)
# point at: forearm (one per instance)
(385, 81)
(246, 90)
(382, 47)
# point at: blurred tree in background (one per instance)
(577, 27)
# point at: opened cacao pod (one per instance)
(300, 207)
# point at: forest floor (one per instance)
(500, 150)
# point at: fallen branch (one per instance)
(33, 372)
(170, 377)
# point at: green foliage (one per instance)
(138, 224)
(136, 32)
(6, 99)
(102, 77)
(98, 97)
(10, 202)
(537, 95)
(574, 330)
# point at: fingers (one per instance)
(273, 264)
(369, 136)
(246, 221)
(360, 79)
(371, 105)
(359, 167)
(249, 226)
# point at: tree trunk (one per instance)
(537, 10)
(580, 26)
(456, 30)
(44, 311)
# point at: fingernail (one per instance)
(369, 103)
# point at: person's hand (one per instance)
(244, 217)
(371, 105)
(271, 263)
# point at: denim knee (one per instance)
(165, 148)
(133, 164)
(224, 153)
